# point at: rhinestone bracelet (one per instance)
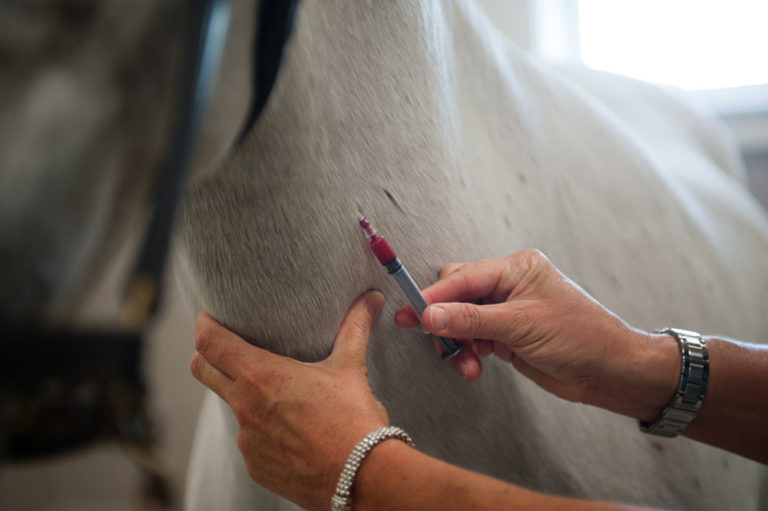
(342, 498)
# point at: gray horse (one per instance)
(458, 146)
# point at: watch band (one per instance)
(694, 375)
(342, 498)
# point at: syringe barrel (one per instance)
(408, 285)
(411, 290)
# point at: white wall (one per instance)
(548, 28)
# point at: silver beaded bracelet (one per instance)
(342, 498)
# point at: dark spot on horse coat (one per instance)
(392, 198)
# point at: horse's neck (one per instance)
(361, 113)
(482, 153)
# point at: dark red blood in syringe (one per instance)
(382, 250)
(379, 245)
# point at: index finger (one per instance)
(468, 281)
(222, 348)
(487, 278)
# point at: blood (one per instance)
(378, 244)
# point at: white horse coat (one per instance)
(483, 151)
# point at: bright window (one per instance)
(693, 44)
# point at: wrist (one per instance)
(343, 495)
(694, 377)
(643, 376)
(370, 490)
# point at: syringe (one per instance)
(389, 260)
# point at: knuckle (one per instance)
(533, 264)
(527, 255)
(451, 268)
(471, 317)
(535, 257)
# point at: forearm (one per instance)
(734, 415)
(397, 477)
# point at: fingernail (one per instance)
(374, 301)
(439, 318)
(463, 367)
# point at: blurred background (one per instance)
(712, 49)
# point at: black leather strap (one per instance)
(274, 29)
(210, 20)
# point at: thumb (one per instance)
(351, 342)
(468, 321)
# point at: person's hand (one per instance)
(298, 421)
(528, 313)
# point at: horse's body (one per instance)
(459, 147)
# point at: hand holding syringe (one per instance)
(389, 260)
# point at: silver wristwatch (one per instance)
(342, 497)
(694, 374)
